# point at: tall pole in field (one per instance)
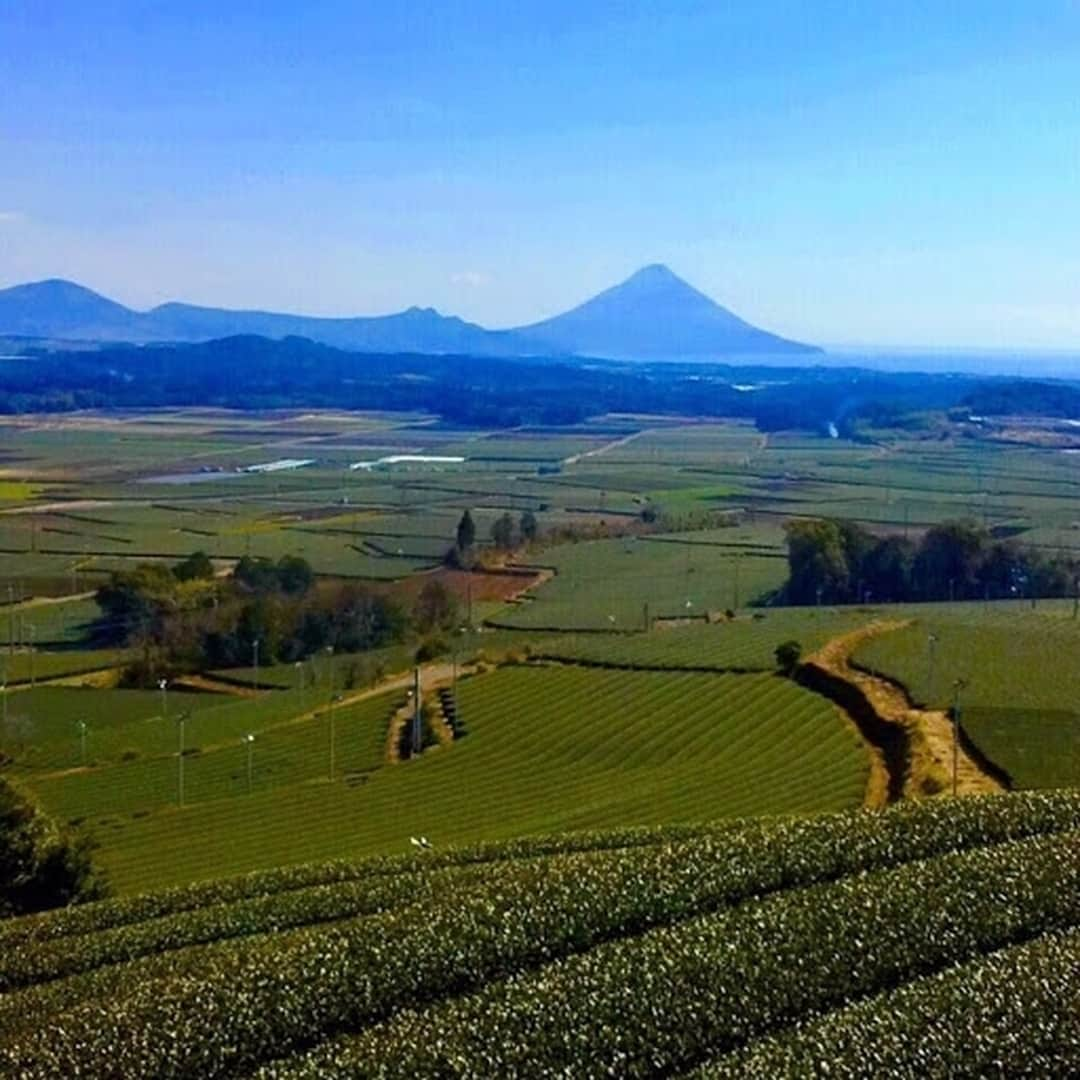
(333, 731)
(180, 721)
(931, 643)
(163, 686)
(416, 732)
(249, 739)
(82, 741)
(957, 687)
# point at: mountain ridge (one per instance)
(652, 315)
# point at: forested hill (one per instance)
(256, 372)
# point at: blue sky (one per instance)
(875, 172)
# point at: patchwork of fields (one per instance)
(699, 896)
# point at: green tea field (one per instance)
(756, 948)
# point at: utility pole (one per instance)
(416, 732)
(958, 686)
(333, 732)
(163, 686)
(180, 721)
(249, 739)
(82, 741)
(931, 643)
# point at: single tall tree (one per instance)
(466, 532)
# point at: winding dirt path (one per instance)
(927, 733)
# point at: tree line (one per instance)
(835, 562)
(184, 618)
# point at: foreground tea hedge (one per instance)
(663, 1000)
(1015, 1011)
(626, 952)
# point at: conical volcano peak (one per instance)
(655, 314)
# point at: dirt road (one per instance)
(929, 732)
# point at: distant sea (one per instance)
(1029, 364)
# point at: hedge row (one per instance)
(664, 1000)
(231, 1006)
(108, 914)
(36, 962)
(1015, 1012)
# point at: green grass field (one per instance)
(606, 584)
(1021, 700)
(747, 643)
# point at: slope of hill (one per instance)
(656, 315)
(942, 932)
(65, 310)
(62, 309)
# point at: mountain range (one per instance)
(652, 315)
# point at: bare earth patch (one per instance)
(929, 732)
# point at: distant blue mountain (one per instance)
(655, 315)
(63, 310)
(652, 315)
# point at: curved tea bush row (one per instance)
(234, 1005)
(674, 995)
(1015, 1009)
(33, 961)
(107, 914)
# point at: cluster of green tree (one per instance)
(41, 864)
(507, 536)
(836, 562)
(1024, 397)
(182, 618)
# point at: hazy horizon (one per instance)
(836, 176)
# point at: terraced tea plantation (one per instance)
(860, 942)
(546, 749)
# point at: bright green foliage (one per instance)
(623, 958)
(598, 579)
(747, 643)
(1019, 704)
(549, 749)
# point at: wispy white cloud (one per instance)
(11, 217)
(472, 278)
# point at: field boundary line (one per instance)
(913, 745)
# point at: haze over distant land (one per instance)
(652, 315)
